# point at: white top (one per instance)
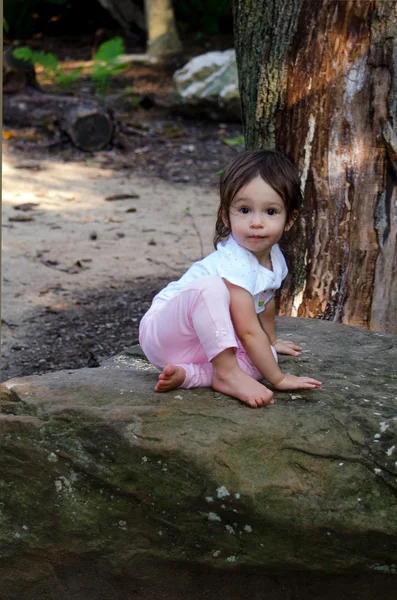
(238, 266)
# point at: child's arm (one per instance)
(256, 342)
(267, 320)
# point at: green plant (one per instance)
(49, 63)
(105, 64)
(233, 142)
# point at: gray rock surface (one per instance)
(102, 476)
(209, 83)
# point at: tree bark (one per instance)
(318, 81)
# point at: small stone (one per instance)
(213, 517)
(222, 492)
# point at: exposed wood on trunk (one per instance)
(326, 73)
(89, 126)
(163, 36)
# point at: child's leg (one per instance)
(193, 329)
(201, 375)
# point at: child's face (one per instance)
(258, 218)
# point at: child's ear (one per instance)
(292, 218)
(225, 218)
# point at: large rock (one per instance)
(209, 84)
(108, 486)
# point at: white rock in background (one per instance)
(210, 81)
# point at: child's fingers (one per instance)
(292, 352)
(289, 351)
(308, 381)
(291, 344)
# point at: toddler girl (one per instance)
(216, 325)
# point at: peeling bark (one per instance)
(322, 87)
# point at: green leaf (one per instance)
(236, 141)
(65, 79)
(110, 50)
(5, 26)
(47, 60)
(23, 53)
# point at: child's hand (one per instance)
(291, 382)
(283, 347)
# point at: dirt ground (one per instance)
(79, 267)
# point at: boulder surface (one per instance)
(104, 481)
(209, 84)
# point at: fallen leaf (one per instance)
(73, 269)
(113, 220)
(142, 150)
(76, 268)
(9, 323)
(21, 218)
(50, 263)
(172, 131)
(130, 210)
(33, 165)
(7, 134)
(122, 196)
(26, 206)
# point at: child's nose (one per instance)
(256, 221)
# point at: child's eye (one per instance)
(271, 212)
(244, 210)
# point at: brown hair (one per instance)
(274, 168)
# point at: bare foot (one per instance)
(171, 378)
(235, 382)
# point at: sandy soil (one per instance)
(78, 241)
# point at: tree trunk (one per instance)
(318, 81)
(89, 126)
(158, 21)
(163, 36)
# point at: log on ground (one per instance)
(86, 122)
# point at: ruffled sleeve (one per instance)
(237, 265)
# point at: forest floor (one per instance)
(80, 269)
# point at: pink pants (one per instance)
(191, 329)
